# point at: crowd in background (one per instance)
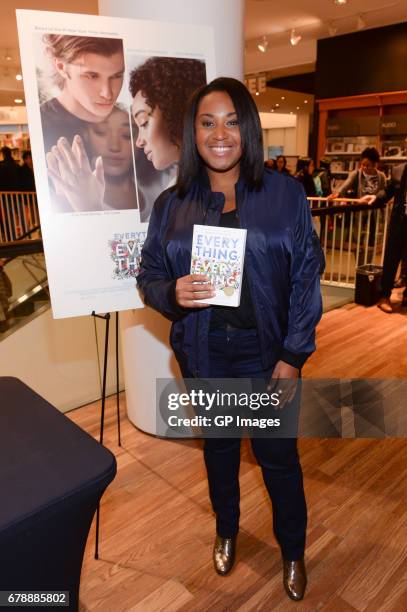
(15, 176)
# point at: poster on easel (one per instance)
(105, 101)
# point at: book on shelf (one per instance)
(396, 148)
(219, 253)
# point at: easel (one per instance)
(106, 318)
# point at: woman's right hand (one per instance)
(192, 288)
(72, 175)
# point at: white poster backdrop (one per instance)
(92, 250)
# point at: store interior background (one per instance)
(287, 81)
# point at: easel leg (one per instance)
(106, 317)
(117, 379)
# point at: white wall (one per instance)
(58, 359)
(302, 135)
(285, 137)
(13, 115)
(289, 131)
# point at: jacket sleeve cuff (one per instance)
(296, 360)
(178, 310)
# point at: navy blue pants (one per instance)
(236, 354)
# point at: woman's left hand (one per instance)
(284, 381)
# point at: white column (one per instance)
(144, 333)
(302, 134)
(225, 16)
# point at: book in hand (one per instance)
(218, 252)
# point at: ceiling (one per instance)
(274, 18)
(312, 18)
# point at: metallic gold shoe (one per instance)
(294, 578)
(224, 554)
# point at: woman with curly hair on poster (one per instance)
(160, 89)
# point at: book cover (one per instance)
(219, 253)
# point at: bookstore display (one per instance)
(344, 143)
(349, 124)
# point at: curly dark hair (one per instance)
(372, 154)
(168, 82)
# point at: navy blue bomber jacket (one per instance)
(283, 262)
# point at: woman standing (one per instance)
(281, 164)
(304, 174)
(270, 335)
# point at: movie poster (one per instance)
(105, 101)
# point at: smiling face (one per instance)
(153, 135)
(217, 133)
(111, 139)
(91, 84)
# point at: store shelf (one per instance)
(343, 153)
(390, 158)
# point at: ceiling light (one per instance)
(283, 97)
(291, 113)
(361, 22)
(277, 105)
(257, 93)
(272, 110)
(19, 77)
(298, 108)
(340, 2)
(262, 46)
(294, 38)
(7, 56)
(332, 29)
(305, 101)
(18, 100)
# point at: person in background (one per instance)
(304, 173)
(396, 237)
(270, 164)
(9, 172)
(27, 182)
(367, 184)
(402, 279)
(281, 164)
(323, 174)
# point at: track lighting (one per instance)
(262, 46)
(332, 29)
(294, 38)
(361, 23)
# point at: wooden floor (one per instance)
(157, 528)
